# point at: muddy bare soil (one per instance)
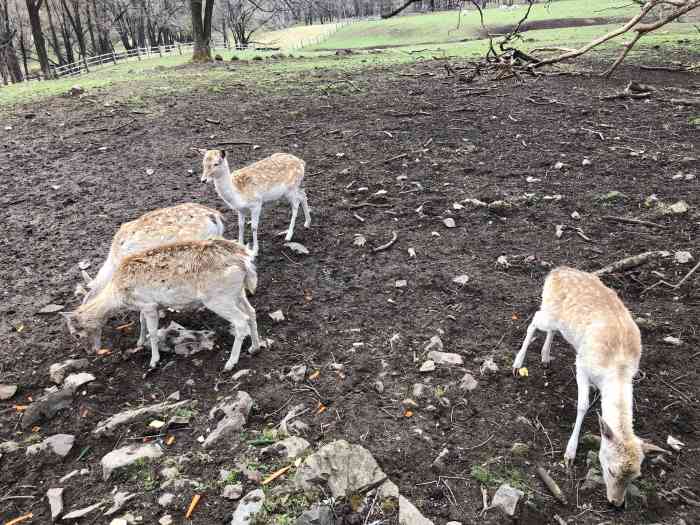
(428, 144)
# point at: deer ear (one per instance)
(222, 153)
(650, 447)
(605, 431)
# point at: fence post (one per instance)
(138, 53)
(179, 48)
(160, 52)
(114, 57)
(86, 65)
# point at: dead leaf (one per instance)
(408, 413)
(321, 409)
(193, 505)
(272, 477)
(104, 351)
(20, 408)
(315, 375)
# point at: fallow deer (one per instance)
(212, 273)
(248, 188)
(594, 320)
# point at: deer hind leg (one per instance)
(255, 220)
(546, 359)
(241, 226)
(227, 308)
(293, 198)
(540, 321)
(151, 315)
(246, 307)
(581, 409)
(142, 330)
(305, 207)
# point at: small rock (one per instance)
(411, 252)
(682, 257)
(418, 390)
(612, 196)
(449, 222)
(232, 492)
(7, 391)
(674, 443)
(68, 476)
(169, 473)
(427, 366)
(445, 358)
(110, 425)
(593, 480)
(468, 382)
(575, 215)
(235, 412)
(319, 514)
(454, 523)
(410, 515)
(57, 371)
(76, 90)
(59, 444)
(51, 309)
(401, 283)
(297, 248)
(461, 279)
(277, 316)
(76, 514)
(586, 162)
(532, 179)
(84, 264)
(488, 366)
(673, 341)
(249, 506)
(520, 449)
(75, 381)
(379, 386)
(506, 499)
(502, 262)
(297, 373)
(435, 343)
(175, 396)
(150, 171)
(166, 499)
(559, 166)
(360, 240)
(119, 521)
(289, 448)
(47, 406)
(55, 497)
(166, 520)
(125, 456)
(241, 374)
(679, 208)
(409, 403)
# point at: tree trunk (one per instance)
(33, 7)
(55, 44)
(201, 29)
(91, 30)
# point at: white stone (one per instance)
(297, 373)
(506, 499)
(297, 248)
(232, 492)
(410, 515)
(449, 222)
(110, 425)
(55, 497)
(445, 358)
(59, 444)
(57, 371)
(79, 513)
(461, 279)
(673, 341)
(674, 443)
(7, 391)
(488, 365)
(468, 382)
(277, 316)
(166, 499)
(559, 166)
(682, 257)
(125, 456)
(427, 366)
(575, 215)
(75, 381)
(249, 506)
(401, 283)
(166, 520)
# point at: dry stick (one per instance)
(634, 221)
(394, 236)
(551, 485)
(371, 204)
(631, 262)
(674, 286)
(235, 143)
(685, 101)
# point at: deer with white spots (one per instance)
(279, 175)
(594, 320)
(184, 275)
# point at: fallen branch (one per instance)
(394, 236)
(235, 143)
(629, 220)
(631, 262)
(674, 286)
(370, 204)
(685, 101)
(551, 485)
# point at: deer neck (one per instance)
(616, 403)
(95, 310)
(226, 190)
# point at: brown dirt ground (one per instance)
(64, 196)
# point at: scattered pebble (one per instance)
(277, 316)
(51, 309)
(559, 166)
(575, 215)
(461, 279)
(674, 443)
(7, 391)
(150, 171)
(297, 248)
(520, 449)
(673, 341)
(468, 382)
(682, 257)
(506, 499)
(586, 162)
(401, 283)
(449, 222)
(427, 366)
(489, 365)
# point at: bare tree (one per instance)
(33, 7)
(9, 65)
(201, 30)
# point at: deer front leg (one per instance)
(142, 330)
(241, 226)
(255, 220)
(581, 409)
(294, 201)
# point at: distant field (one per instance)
(293, 37)
(443, 27)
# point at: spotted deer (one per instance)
(279, 175)
(183, 275)
(594, 320)
(188, 221)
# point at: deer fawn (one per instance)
(269, 179)
(211, 273)
(183, 222)
(593, 319)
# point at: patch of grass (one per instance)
(694, 121)
(494, 475)
(233, 477)
(142, 471)
(284, 509)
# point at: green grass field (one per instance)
(138, 79)
(443, 27)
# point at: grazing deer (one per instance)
(279, 175)
(593, 319)
(184, 222)
(211, 273)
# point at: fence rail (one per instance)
(85, 65)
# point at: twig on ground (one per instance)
(551, 485)
(674, 286)
(630, 220)
(387, 245)
(631, 262)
